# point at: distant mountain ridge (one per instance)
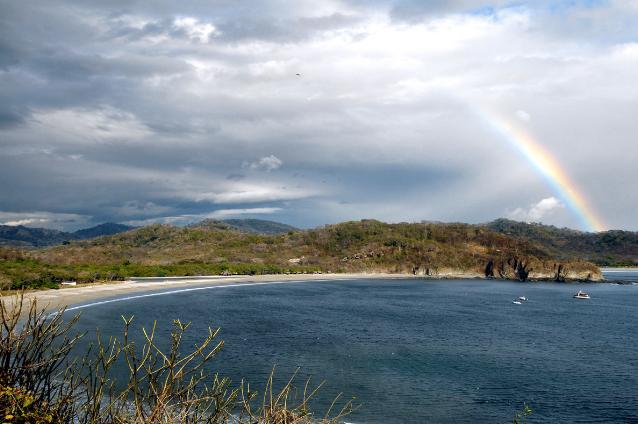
(106, 229)
(255, 226)
(22, 236)
(260, 226)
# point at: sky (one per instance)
(312, 113)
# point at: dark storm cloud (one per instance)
(11, 116)
(235, 177)
(307, 112)
(9, 55)
(60, 64)
(122, 30)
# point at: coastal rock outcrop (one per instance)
(560, 273)
(532, 269)
(522, 270)
(489, 269)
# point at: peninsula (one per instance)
(501, 249)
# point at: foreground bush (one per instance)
(41, 382)
(20, 406)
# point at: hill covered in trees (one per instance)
(361, 246)
(607, 248)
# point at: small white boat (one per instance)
(522, 298)
(581, 295)
(516, 302)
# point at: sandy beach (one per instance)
(71, 296)
(79, 295)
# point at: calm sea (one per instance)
(416, 351)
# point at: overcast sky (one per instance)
(310, 112)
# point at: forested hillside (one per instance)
(607, 248)
(362, 246)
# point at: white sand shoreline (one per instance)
(74, 296)
(135, 287)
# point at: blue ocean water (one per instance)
(412, 351)
(620, 274)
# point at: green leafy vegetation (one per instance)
(20, 271)
(521, 416)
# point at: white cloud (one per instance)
(196, 30)
(524, 116)
(244, 193)
(26, 222)
(43, 219)
(537, 211)
(226, 213)
(267, 163)
(199, 89)
(84, 125)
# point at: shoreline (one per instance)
(618, 268)
(54, 299)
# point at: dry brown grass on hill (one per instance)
(366, 245)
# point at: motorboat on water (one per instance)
(517, 302)
(581, 295)
(522, 298)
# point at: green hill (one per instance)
(607, 248)
(214, 247)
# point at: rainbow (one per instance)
(547, 166)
